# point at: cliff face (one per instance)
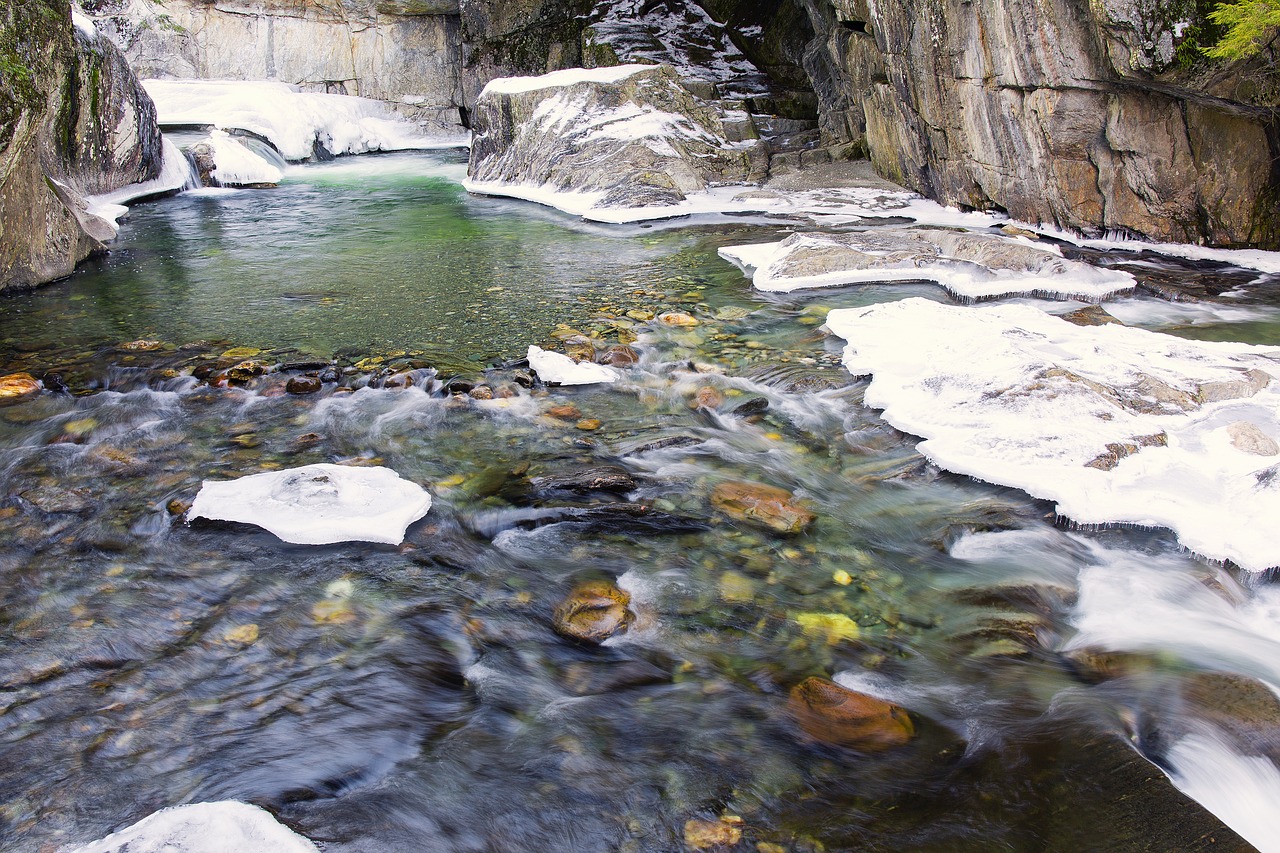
(1062, 111)
(405, 52)
(73, 122)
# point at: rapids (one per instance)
(380, 698)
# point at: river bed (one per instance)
(380, 698)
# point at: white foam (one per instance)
(1012, 395)
(222, 827)
(768, 265)
(566, 77)
(1241, 790)
(293, 121)
(554, 367)
(318, 504)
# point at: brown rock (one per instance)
(303, 385)
(568, 412)
(829, 713)
(246, 370)
(1247, 437)
(481, 392)
(17, 386)
(593, 612)
(1090, 315)
(769, 506)
(142, 345)
(588, 424)
(620, 355)
(708, 398)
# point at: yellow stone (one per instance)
(705, 834)
(17, 385)
(831, 627)
(678, 318)
(737, 588)
(332, 612)
(842, 577)
(589, 424)
(244, 634)
(241, 353)
(451, 481)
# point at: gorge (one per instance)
(636, 425)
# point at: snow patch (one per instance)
(175, 175)
(554, 367)
(566, 77)
(222, 827)
(318, 504)
(294, 122)
(237, 165)
(1118, 425)
(966, 265)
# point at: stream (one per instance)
(382, 698)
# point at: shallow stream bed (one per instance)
(380, 698)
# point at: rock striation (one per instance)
(74, 122)
(1077, 115)
(594, 141)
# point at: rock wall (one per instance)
(73, 122)
(1061, 111)
(405, 52)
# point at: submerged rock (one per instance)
(18, 386)
(968, 264)
(603, 142)
(318, 504)
(605, 478)
(768, 506)
(832, 714)
(204, 828)
(593, 612)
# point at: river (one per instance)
(382, 698)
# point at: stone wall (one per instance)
(73, 122)
(405, 52)
(1064, 112)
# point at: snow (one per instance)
(553, 367)
(175, 175)
(318, 504)
(84, 24)
(828, 205)
(1015, 396)
(1255, 259)
(237, 165)
(291, 120)
(222, 827)
(1043, 271)
(566, 77)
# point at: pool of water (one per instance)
(381, 698)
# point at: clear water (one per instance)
(416, 698)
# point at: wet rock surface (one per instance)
(829, 713)
(593, 612)
(767, 506)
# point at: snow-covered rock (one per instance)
(228, 162)
(222, 827)
(553, 367)
(300, 125)
(1115, 424)
(597, 141)
(318, 504)
(969, 265)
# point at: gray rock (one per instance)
(73, 122)
(1049, 111)
(638, 141)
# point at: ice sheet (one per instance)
(222, 827)
(1117, 425)
(318, 504)
(562, 370)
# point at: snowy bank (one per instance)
(301, 125)
(175, 176)
(1117, 425)
(967, 264)
(318, 504)
(222, 827)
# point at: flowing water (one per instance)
(382, 698)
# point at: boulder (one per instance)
(74, 122)
(604, 143)
(832, 714)
(767, 506)
(593, 612)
